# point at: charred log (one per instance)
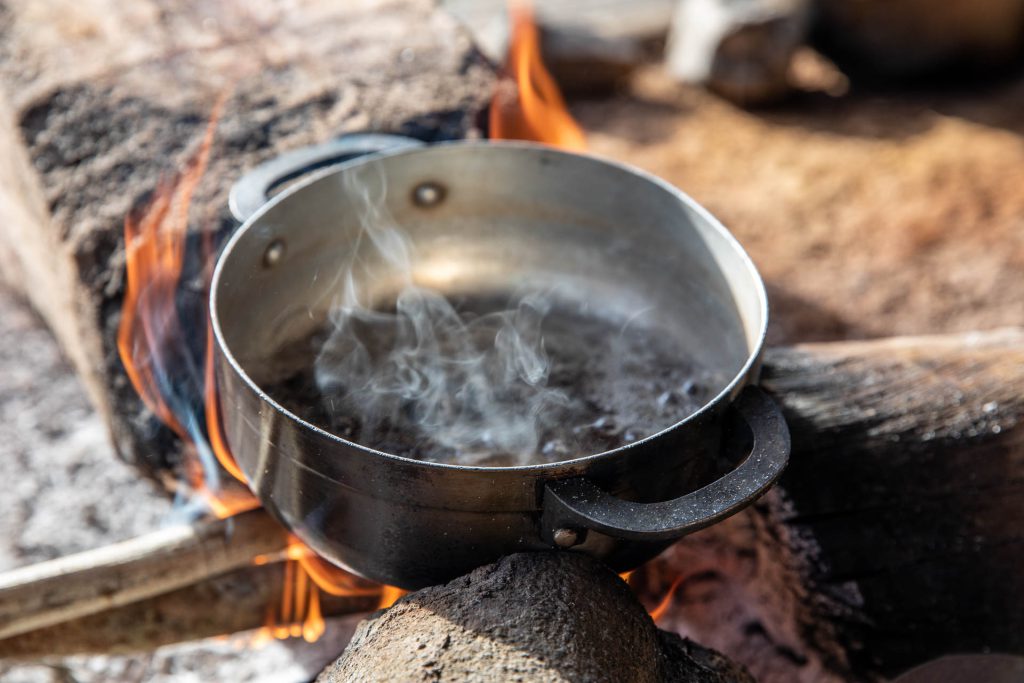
(98, 103)
(894, 535)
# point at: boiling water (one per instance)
(579, 384)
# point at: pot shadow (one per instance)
(795, 319)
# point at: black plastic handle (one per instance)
(253, 189)
(572, 505)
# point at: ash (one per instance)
(605, 384)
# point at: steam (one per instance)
(474, 385)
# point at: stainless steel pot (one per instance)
(489, 216)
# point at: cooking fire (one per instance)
(538, 375)
(427, 357)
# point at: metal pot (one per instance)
(494, 214)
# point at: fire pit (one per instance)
(484, 223)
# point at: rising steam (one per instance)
(474, 385)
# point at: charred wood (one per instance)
(100, 101)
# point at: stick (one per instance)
(230, 603)
(71, 587)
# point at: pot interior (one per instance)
(584, 259)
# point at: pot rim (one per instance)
(739, 380)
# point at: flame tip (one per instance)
(534, 108)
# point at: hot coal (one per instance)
(606, 383)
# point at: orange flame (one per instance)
(666, 602)
(306, 574)
(155, 254)
(214, 425)
(151, 340)
(534, 109)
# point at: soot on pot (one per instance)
(527, 377)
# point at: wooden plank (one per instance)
(226, 604)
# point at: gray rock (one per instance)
(546, 617)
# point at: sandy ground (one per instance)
(868, 215)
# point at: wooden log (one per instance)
(75, 586)
(908, 477)
(894, 535)
(100, 99)
(227, 604)
(532, 617)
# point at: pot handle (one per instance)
(253, 189)
(572, 505)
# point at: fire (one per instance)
(306, 575)
(150, 331)
(154, 348)
(534, 109)
(155, 351)
(659, 611)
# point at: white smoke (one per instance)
(474, 385)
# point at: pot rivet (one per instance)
(274, 253)
(566, 538)
(428, 194)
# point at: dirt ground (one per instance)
(868, 215)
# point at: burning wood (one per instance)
(158, 360)
(186, 559)
(246, 602)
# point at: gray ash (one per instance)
(591, 384)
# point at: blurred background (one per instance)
(869, 155)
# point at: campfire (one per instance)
(182, 390)
(157, 342)
(405, 349)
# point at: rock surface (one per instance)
(544, 617)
